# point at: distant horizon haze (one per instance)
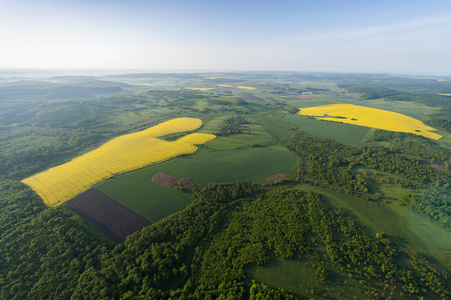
(390, 37)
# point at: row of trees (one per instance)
(332, 162)
(232, 125)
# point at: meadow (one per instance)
(291, 275)
(120, 155)
(144, 197)
(299, 278)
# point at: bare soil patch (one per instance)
(276, 177)
(109, 216)
(186, 183)
(164, 179)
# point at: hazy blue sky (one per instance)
(323, 35)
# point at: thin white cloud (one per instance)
(413, 28)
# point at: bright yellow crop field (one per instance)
(370, 117)
(198, 89)
(125, 153)
(246, 87)
(224, 85)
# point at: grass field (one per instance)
(275, 125)
(141, 195)
(291, 275)
(253, 134)
(340, 132)
(317, 99)
(295, 277)
(136, 190)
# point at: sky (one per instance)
(358, 36)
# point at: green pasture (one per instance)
(316, 100)
(291, 275)
(214, 124)
(137, 191)
(340, 132)
(296, 277)
(275, 125)
(445, 141)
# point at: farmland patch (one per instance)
(109, 216)
(370, 117)
(155, 202)
(120, 155)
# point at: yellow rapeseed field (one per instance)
(246, 87)
(224, 85)
(120, 155)
(198, 89)
(370, 117)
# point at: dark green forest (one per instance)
(202, 252)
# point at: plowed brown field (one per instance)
(109, 216)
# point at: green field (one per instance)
(296, 277)
(291, 275)
(136, 190)
(315, 100)
(340, 132)
(141, 195)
